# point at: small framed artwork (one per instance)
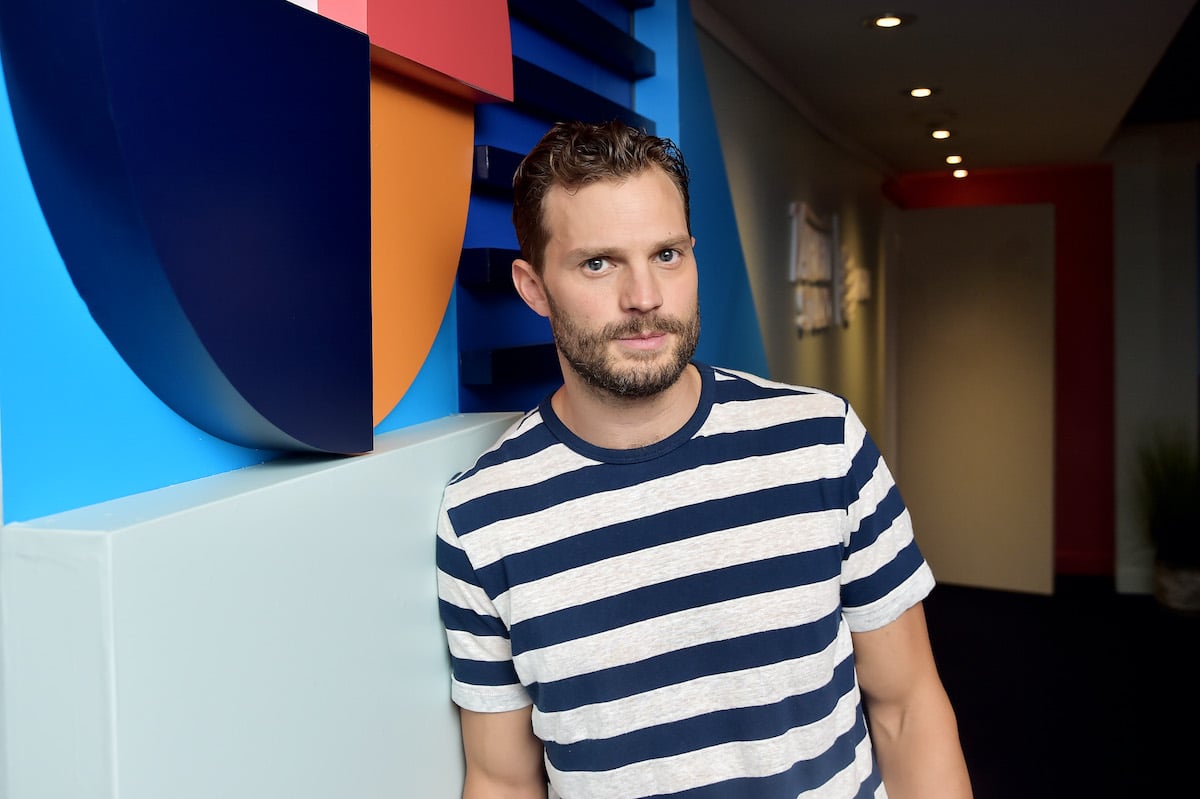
(815, 269)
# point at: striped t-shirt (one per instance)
(680, 614)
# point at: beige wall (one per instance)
(1155, 186)
(974, 291)
(775, 157)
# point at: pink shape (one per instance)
(352, 13)
(465, 40)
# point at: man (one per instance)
(671, 579)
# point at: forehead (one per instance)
(646, 198)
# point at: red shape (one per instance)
(467, 41)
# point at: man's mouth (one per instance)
(644, 340)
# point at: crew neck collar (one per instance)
(637, 454)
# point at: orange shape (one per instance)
(421, 147)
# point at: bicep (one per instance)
(503, 757)
(895, 662)
(912, 723)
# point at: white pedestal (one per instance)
(269, 632)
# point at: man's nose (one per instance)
(640, 290)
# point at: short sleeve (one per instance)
(483, 678)
(884, 573)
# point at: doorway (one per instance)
(973, 296)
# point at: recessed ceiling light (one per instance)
(960, 173)
(889, 20)
(921, 91)
(954, 159)
(940, 133)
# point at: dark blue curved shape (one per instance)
(204, 168)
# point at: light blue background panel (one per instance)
(269, 632)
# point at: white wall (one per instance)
(1156, 260)
(268, 632)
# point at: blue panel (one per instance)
(589, 33)
(210, 202)
(489, 222)
(434, 392)
(617, 13)
(509, 322)
(547, 53)
(79, 427)
(503, 125)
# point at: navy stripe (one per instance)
(527, 443)
(468, 621)
(885, 579)
(874, 524)
(453, 561)
(688, 663)
(483, 672)
(602, 477)
(671, 596)
(654, 530)
(756, 723)
(806, 775)
(863, 466)
(735, 388)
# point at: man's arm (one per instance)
(912, 723)
(504, 758)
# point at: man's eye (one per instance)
(594, 264)
(667, 256)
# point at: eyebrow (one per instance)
(583, 253)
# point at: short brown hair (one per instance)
(574, 154)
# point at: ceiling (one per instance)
(1019, 82)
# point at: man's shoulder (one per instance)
(734, 384)
(522, 438)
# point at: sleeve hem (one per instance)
(488, 699)
(889, 608)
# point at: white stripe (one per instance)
(881, 552)
(874, 491)
(554, 460)
(490, 543)
(464, 595)
(715, 763)
(645, 639)
(740, 545)
(847, 781)
(738, 416)
(486, 648)
(754, 687)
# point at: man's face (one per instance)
(620, 283)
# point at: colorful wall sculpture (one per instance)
(232, 229)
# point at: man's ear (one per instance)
(529, 286)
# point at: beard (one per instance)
(643, 374)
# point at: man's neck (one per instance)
(613, 422)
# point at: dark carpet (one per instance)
(1086, 693)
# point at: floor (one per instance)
(1086, 693)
